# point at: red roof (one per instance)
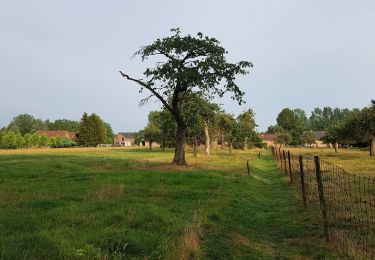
(267, 137)
(49, 134)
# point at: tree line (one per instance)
(91, 130)
(341, 126)
(206, 123)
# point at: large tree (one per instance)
(188, 65)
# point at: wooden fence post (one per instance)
(303, 188)
(290, 168)
(248, 168)
(286, 172)
(322, 200)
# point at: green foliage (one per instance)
(284, 138)
(190, 65)
(322, 119)
(93, 131)
(43, 141)
(26, 123)
(63, 125)
(293, 121)
(308, 137)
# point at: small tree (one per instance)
(283, 139)
(246, 126)
(308, 137)
(190, 65)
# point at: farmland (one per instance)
(102, 203)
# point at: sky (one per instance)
(59, 59)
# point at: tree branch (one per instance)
(143, 84)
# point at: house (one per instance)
(268, 139)
(318, 136)
(124, 139)
(49, 134)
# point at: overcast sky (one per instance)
(59, 59)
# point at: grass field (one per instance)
(107, 203)
(354, 161)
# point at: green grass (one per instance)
(119, 203)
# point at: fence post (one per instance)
(259, 154)
(322, 200)
(248, 168)
(290, 168)
(303, 189)
(286, 172)
(281, 159)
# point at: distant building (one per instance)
(124, 139)
(49, 134)
(268, 139)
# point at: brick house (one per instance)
(268, 139)
(49, 134)
(123, 139)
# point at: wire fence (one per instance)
(344, 202)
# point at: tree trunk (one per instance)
(222, 142)
(372, 146)
(163, 144)
(207, 139)
(150, 145)
(230, 147)
(336, 146)
(179, 152)
(245, 144)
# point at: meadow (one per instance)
(118, 203)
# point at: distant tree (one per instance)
(275, 129)
(152, 132)
(293, 121)
(308, 137)
(63, 124)
(9, 141)
(110, 134)
(43, 141)
(35, 140)
(228, 126)
(27, 124)
(27, 140)
(322, 119)
(190, 65)
(246, 126)
(284, 139)
(92, 130)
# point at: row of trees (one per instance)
(345, 126)
(357, 128)
(13, 140)
(20, 133)
(206, 123)
(28, 124)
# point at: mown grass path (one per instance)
(118, 203)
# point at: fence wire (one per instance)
(345, 203)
